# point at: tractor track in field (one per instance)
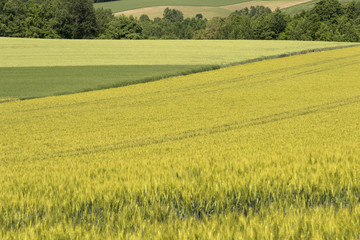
(209, 84)
(199, 132)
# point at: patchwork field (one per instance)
(38, 67)
(210, 12)
(123, 5)
(209, 9)
(263, 150)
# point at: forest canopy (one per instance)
(77, 19)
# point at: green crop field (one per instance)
(37, 67)
(30, 82)
(123, 5)
(188, 11)
(309, 5)
(298, 8)
(264, 150)
(207, 11)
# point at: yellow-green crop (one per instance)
(263, 150)
(117, 6)
(16, 52)
(31, 68)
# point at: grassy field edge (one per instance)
(259, 59)
(198, 70)
(141, 80)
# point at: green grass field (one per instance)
(37, 67)
(29, 82)
(123, 5)
(209, 9)
(265, 150)
(297, 9)
(188, 11)
(210, 12)
(309, 5)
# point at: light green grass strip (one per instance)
(309, 5)
(32, 68)
(123, 5)
(46, 52)
(211, 12)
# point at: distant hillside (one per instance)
(124, 5)
(328, 20)
(309, 5)
(209, 11)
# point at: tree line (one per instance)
(98, 1)
(76, 19)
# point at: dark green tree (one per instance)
(144, 18)
(352, 10)
(199, 16)
(173, 15)
(269, 25)
(211, 30)
(327, 10)
(124, 27)
(103, 20)
(258, 11)
(39, 20)
(235, 27)
(12, 18)
(299, 29)
(75, 19)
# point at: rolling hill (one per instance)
(190, 9)
(309, 5)
(268, 148)
(208, 9)
(210, 12)
(123, 5)
(32, 68)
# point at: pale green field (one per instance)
(42, 52)
(123, 5)
(210, 12)
(309, 5)
(31, 68)
(266, 150)
(188, 11)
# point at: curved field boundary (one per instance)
(210, 12)
(33, 68)
(124, 5)
(92, 81)
(240, 79)
(235, 145)
(292, 10)
(44, 52)
(286, 55)
(4, 100)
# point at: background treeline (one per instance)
(327, 21)
(97, 1)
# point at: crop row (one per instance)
(262, 150)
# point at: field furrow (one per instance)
(263, 149)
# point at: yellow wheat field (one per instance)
(263, 150)
(3, 100)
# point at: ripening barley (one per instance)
(262, 150)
